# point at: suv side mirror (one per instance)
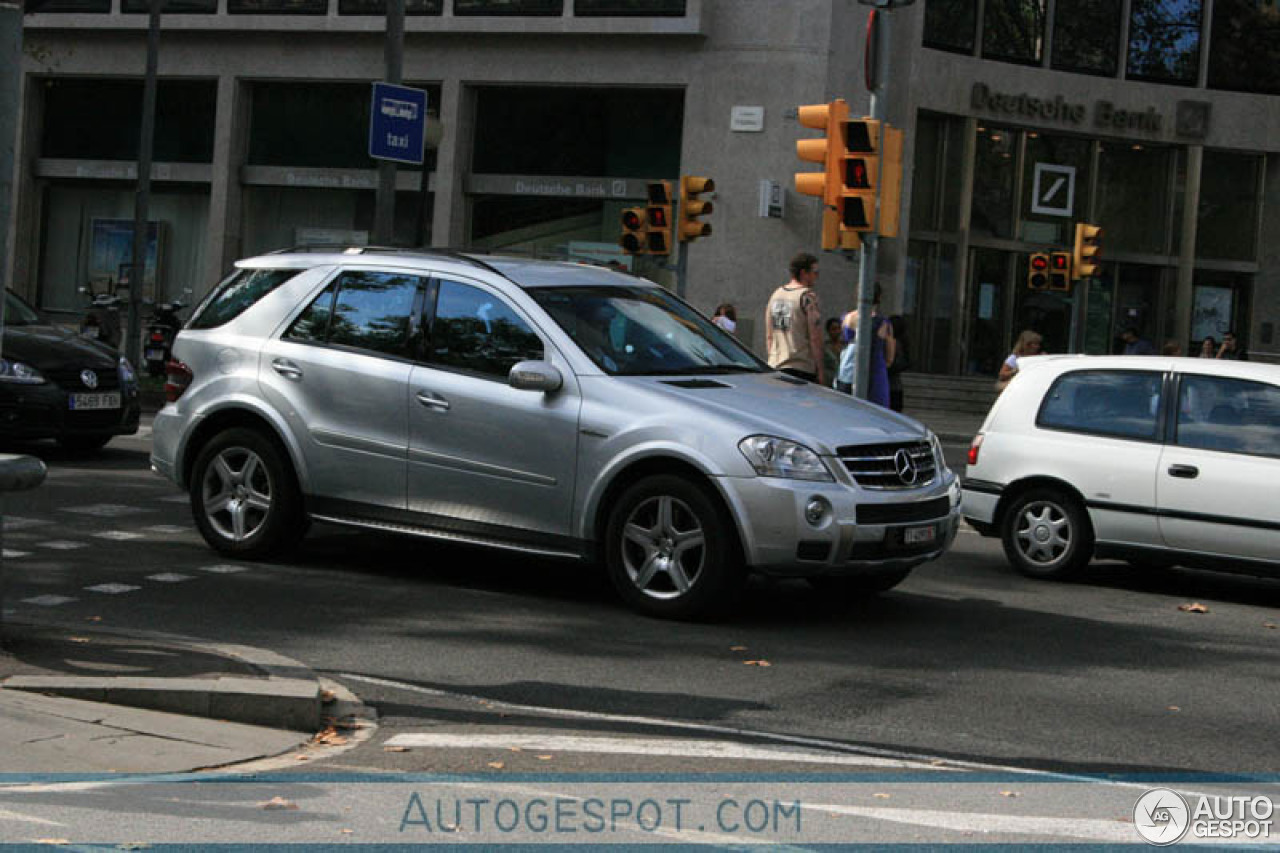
(535, 376)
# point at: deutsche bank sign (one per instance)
(397, 123)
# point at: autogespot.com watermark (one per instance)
(1165, 817)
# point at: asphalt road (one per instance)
(966, 661)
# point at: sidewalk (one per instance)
(91, 700)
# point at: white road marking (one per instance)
(48, 600)
(675, 747)
(176, 499)
(112, 588)
(169, 577)
(18, 816)
(118, 535)
(224, 569)
(167, 529)
(14, 522)
(62, 545)
(13, 555)
(1114, 831)
(104, 510)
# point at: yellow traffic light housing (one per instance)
(1060, 271)
(1038, 271)
(633, 231)
(692, 207)
(861, 174)
(1088, 251)
(658, 218)
(829, 151)
(890, 180)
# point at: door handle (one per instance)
(433, 401)
(287, 369)
(1186, 472)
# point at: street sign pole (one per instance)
(384, 217)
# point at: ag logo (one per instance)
(1161, 816)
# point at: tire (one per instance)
(244, 496)
(671, 550)
(1047, 535)
(84, 443)
(860, 586)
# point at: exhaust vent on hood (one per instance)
(695, 383)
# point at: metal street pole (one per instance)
(10, 88)
(384, 217)
(142, 199)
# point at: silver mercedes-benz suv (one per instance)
(548, 408)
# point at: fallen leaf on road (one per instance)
(302, 758)
(937, 762)
(1010, 794)
(545, 757)
(757, 663)
(80, 639)
(882, 796)
(1174, 708)
(737, 648)
(347, 831)
(327, 695)
(330, 737)
(395, 749)
(1271, 625)
(93, 618)
(496, 765)
(1194, 607)
(515, 749)
(278, 804)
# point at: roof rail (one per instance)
(462, 255)
(343, 248)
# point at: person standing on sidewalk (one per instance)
(793, 323)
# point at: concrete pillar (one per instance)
(1187, 256)
(225, 192)
(453, 161)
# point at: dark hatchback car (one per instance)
(56, 384)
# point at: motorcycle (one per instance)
(102, 319)
(162, 327)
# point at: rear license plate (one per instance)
(919, 535)
(155, 354)
(107, 400)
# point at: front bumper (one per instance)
(29, 412)
(779, 540)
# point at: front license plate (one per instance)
(107, 400)
(919, 535)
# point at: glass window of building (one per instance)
(113, 109)
(950, 24)
(1086, 36)
(171, 7)
(1244, 51)
(1164, 41)
(278, 7)
(1228, 212)
(1055, 187)
(992, 213)
(508, 7)
(37, 6)
(1133, 197)
(636, 8)
(1013, 30)
(935, 189)
(379, 7)
(1219, 305)
(990, 277)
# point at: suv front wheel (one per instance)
(244, 496)
(670, 549)
(1046, 534)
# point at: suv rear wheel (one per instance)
(1046, 534)
(670, 549)
(244, 497)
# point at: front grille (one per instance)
(903, 513)
(68, 378)
(875, 466)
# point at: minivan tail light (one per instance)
(974, 447)
(177, 379)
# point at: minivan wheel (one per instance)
(1046, 534)
(670, 549)
(244, 498)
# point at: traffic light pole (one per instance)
(871, 240)
(682, 270)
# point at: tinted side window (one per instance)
(312, 325)
(231, 298)
(372, 311)
(1234, 415)
(474, 330)
(1122, 403)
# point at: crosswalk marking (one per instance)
(169, 577)
(13, 555)
(112, 588)
(62, 545)
(224, 569)
(118, 535)
(48, 600)
(14, 522)
(167, 529)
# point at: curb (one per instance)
(289, 696)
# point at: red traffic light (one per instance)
(631, 219)
(1039, 263)
(1061, 261)
(657, 217)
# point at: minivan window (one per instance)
(1121, 403)
(235, 294)
(1233, 415)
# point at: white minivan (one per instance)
(1156, 460)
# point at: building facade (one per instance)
(1150, 118)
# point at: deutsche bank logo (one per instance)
(1161, 816)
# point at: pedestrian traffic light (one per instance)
(1038, 273)
(657, 215)
(633, 231)
(829, 183)
(1060, 271)
(692, 207)
(861, 173)
(1088, 251)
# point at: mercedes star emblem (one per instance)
(905, 466)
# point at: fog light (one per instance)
(815, 511)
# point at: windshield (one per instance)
(19, 313)
(643, 331)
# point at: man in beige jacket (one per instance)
(793, 333)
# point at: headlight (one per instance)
(777, 457)
(127, 376)
(937, 452)
(19, 373)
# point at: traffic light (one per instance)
(1038, 273)
(633, 231)
(890, 181)
(1088, 251)
(1060, 271)
(692, 207)
(828, 184)
(861, 173)
(658, 218)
